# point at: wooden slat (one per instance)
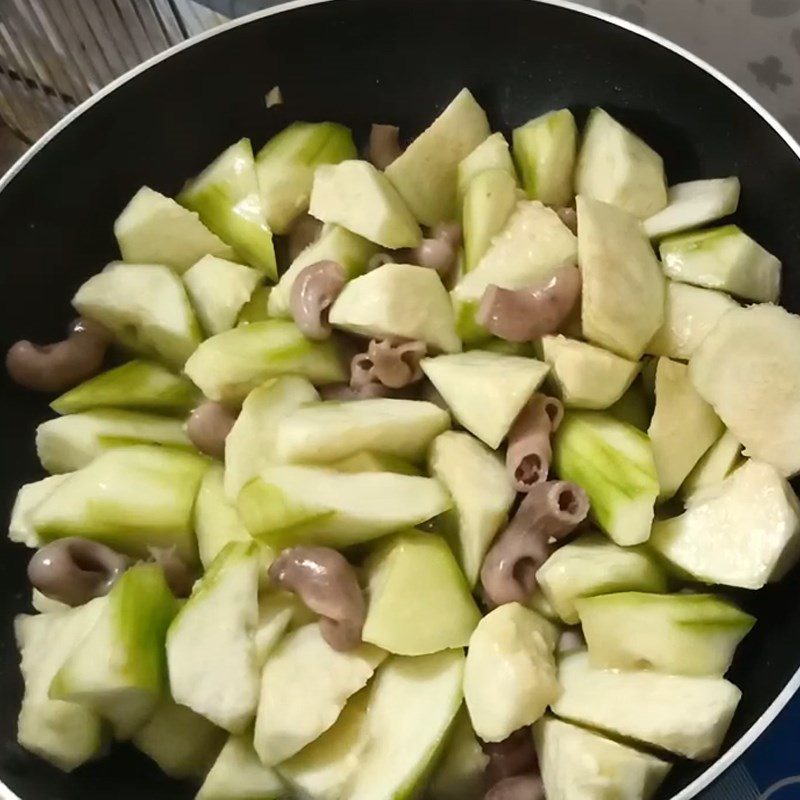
(56, 53)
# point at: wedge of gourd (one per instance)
(748, 369)
(285, 167)
(744, 532)
(545, 149)
(425, 174)
(615, 166)
(613, 462)
(154, 229)
(146, 309)
(226, 196)
(228, 366)
(723, 258)
(623, 285)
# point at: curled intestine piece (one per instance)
(520, 787)
(390, 362)
(550, 511)
(523, 315)
(449, 232)
(305, 231)
(571, 640)
(384, 145)
(569, 216)
(74, 570)
(529, 448)
(515, 755)
(62, 365)
(208, 426)
(439, 251)
(328, 584)
(180, 577)
(313, 292)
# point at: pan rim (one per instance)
(793, 684)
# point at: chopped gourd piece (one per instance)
(482, 495)
(419, 600)
(412, 705)
(46, 605)
(139, 385)
(683, 427)
(154, 229)
(256, 308)
(748, 369)
(324, 769)
(613, 463)
(182, 743)
(577, 764)
(426, 173)
(358, 197)
(489, 201)
(680, 634)
(65, 734)
(541, 605)
(276, 613)
(226, 196)
(238, 774)
(219, 290)
(545, 149)
(285, 167)
(129, 498)
(216, 520)
(716, 464)
(67, 443)
(460, 773)
(690, 314)
(623, 285)
(399, 300)
(228, 366)
(117, 669)
(592, 565)
(615, 166)
(366, 461)
(485, 391)
(210, 647)
(723, 258)
(492, 153)
(29, 497)
(251, 443)
(510, 672)
(319, 433)
(692, 204)
(744, 532)
(686, 715)
(533, 244)
(586, 376)
(342, 510)
(146, 309)
(305, 684)
(337, 244)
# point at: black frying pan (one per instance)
(359, 61)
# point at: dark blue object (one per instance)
(359, 61)
(772, 763)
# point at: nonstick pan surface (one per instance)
(359, 61)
